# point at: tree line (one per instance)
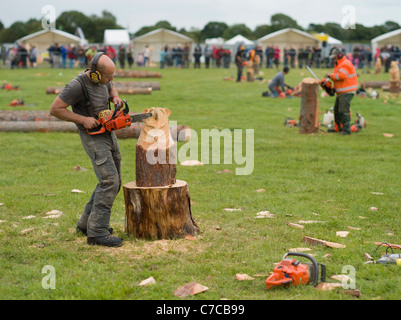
(93, 27)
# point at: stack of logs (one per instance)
(157, 205)
(136, 74)
(42, 121)
(131, 87)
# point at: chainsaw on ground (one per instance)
(325, 83)
(293, 272)
(119, 119)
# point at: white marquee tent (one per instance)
(116, 37)
(158, 39)
(391, 38)
(239, 39)
(43, 39)
(287, 38)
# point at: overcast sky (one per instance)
(134, 14)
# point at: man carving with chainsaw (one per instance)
(88, 94)
(345, 82)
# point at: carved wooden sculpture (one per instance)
(394, 77)
(157, 206)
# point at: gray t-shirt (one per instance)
(277, 81)
(73, 95)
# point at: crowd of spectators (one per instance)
(212, 56)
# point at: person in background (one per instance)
(345, 81)
(239, 60)
(278, 82)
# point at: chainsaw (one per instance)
(119, 119)
(293, 272)
(325, 83)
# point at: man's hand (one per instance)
(90, 123)
(117, 101)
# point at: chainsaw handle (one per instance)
(92, 132)
(315, 264)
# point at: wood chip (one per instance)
(340, 277)
(296, 225)
(28, 217)
(191, 288)
(342, 234)
(76, 191)
(260, 190)
(243, 277)
(224, 171)
(232, 209)
(310, 221)
(373, 209)
(27, 230)
(264, 214)
(148, 281)
(53, 214)
(191, 163)
(327, 286)
(353, 228)
(388, 135)
(299, 249)
(189, 237)
(368, 257)
(314, 241)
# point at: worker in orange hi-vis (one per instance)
(345, 82)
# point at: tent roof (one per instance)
(160, 30)
(387, 35)
(280, 32)
(325, 37)
(216, 41)
(55, 31)
(116, 36)
(238, 39)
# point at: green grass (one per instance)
(327, 174)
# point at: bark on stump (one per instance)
(394, 86)
(159, 212)
(156, 204)
(309, 115)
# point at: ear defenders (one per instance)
(95, 75)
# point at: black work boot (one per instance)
(85, 232)
(107, 241)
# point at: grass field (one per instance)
(321, 177)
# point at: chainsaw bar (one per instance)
(140, 117)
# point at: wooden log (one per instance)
(375, 84)
(137, 84)
(136, 74)
(309, 115)
(134, 90)
(159, 212)
(156, 158)
(394, 86)
(37, 126)
(179, 133)
(53, 90)
(14, 115)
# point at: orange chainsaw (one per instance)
(119, 119)
(325, 83)
(293, 272)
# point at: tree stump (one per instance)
(309, 115)
(156, 204)
(159, 212)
